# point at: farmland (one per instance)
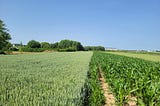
(73, 79)
(130, 78)
(80, 53)
(147, 56)
(43, 78)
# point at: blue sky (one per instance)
(122, 24)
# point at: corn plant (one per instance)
(131, 77)
(96, 97)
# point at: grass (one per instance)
(150, 57)
(43, 78)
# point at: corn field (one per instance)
(130, 77)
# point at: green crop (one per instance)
(68, 79)
(49, 79)
(147, 56)
(131, 77)
(96, 97)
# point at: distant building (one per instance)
(110, 48)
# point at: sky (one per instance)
(121, 24)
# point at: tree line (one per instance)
(36, 46)
(63, 45)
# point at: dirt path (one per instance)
(109, 98)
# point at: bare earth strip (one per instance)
(109, 98)
(132, 101)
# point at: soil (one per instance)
(132, 101)
(109, 98)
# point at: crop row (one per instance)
(130, 77)
(95, 93)
(63, 79)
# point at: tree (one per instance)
(54, 45)
(33, 44)
(77, 46)
(4, 37)
(70, 45)
(63, 44)
(94, 48)
(45, 45)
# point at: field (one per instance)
(43, 78)
(74, 79)
(147, 56)
(130, 79)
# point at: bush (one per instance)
(67, 50)
(26, 49)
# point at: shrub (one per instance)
(27, 49)
(67, 50)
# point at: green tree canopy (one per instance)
(45, 45)
(4, 36)
(69, 44)
(54, 45)
(94, 48)
(77, 46)
(33, 44)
